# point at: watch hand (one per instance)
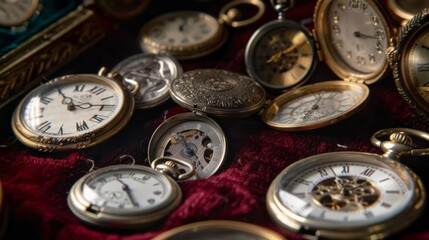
(67, 101)
(188, 150)
(363, 36)
(182, 26)
(313, 107)
(276, 57)
(88, 105)
(127, 190)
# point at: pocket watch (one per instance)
(353, 36)
(343, 195)
(219, 229)
(128, 196)
(154, 73)
(315, 105)
(192, 34)
(404, 10)
(281, 54)
(122, 9)
(409, 58)
(195, 137)
(73, 112)
(16, 13)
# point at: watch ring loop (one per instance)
(405, 132)
(227, 10)
(169, 162)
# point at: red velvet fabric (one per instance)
(36, 184)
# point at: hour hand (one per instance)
(363, 36)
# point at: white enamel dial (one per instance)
(358, 34)
(70, 109)
(183, 34)
(123, 197)
(315, 105)
(342, 194)
(16, 12)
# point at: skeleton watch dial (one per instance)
(196, 139)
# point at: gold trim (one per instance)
(219, 226)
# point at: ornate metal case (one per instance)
(218, 229)
(408, 56)
(404, 10)
(68, 123)
(194, 137)
(357, 56)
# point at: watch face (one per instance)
(344, 194)
(70, 109)
(135, 193)
(415, 67)
(315, 105)
(154, 73)
(280, 55)
(16, 12)
(183, 34)
(195, 139)
(354, 36)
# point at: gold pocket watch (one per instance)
(343, 195)
(192, 34)
(122, 9)
(73, 112)
(409, 58)
(404, 10)
(219, 229)
(128, 196)
(195, 137)
(17, 13)
(154, 72)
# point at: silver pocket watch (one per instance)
(128, 196)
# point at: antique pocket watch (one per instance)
(192, 34)
(73, 112)
(345, 195)
(154, 72)
(409, 58)
(128, 196)
(350, 36)
(219, 229)
(195, 137)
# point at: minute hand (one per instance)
(363, 36)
